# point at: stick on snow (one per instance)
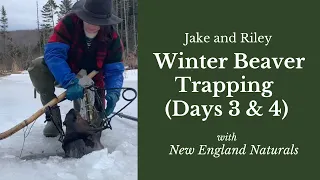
(36, 115)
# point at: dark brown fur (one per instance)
(80, 138)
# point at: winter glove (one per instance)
(112, 99)
(85, 82)
(75, 90)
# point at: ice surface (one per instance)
(118, 161)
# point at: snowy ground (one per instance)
(117, 161)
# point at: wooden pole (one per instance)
(36, 115)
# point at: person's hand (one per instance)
(85, 82)
(112, 99)
(76, 89)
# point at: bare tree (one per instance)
(125, 13)
(38, 23)
(134, 23)
(24, 45)
(117, 12)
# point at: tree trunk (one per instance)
(52, 16)
(134, 24)
(117, 14)
(44, 37)
(4, 43)
(39, 28)
(126, 27)
(121, 16)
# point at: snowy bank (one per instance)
(117, 161)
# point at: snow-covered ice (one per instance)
(118, 161)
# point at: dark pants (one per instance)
(42, 79)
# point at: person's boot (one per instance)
(53, 119)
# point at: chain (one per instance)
(106, 121)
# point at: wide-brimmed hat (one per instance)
(96, 12)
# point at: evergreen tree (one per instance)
(4, 26)
(48, 11)
(64, 7)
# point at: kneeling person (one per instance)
(80, 41)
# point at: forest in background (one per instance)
(18, 48)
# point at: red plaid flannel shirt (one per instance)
(109, 45)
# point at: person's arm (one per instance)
(113, 73)
(56, 52)
(114, 67)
